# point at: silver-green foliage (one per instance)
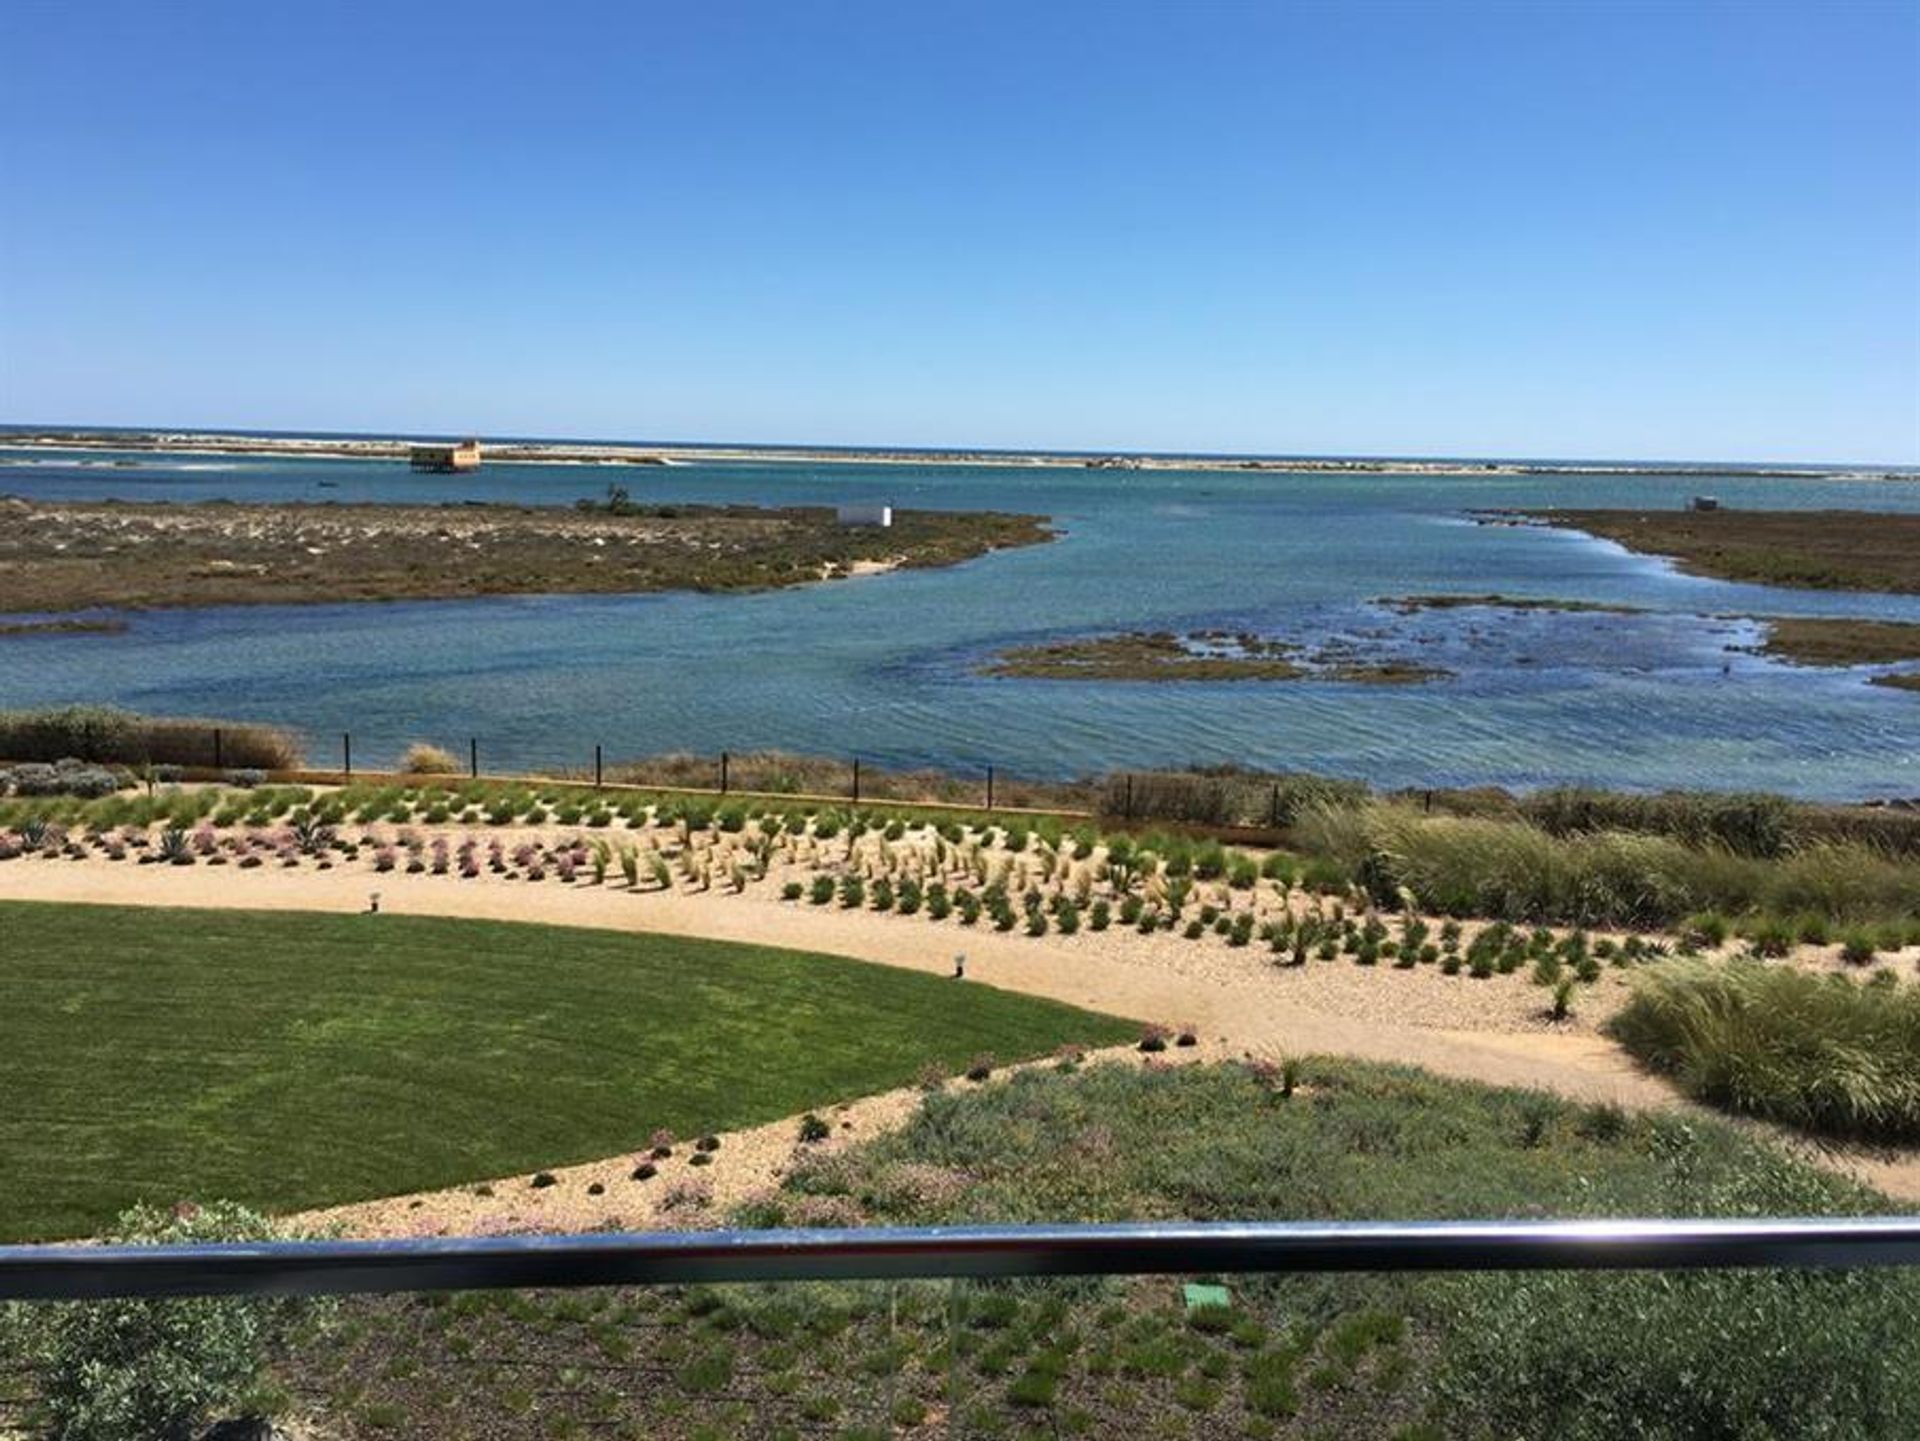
(155, 1369)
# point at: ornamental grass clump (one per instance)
(423, 759)
(1515, 870)
(1823, 1053)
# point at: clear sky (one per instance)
(1685, 231)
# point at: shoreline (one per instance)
(624, 453)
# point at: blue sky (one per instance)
(1632, 230)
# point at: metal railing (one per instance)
(82, 1272)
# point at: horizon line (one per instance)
(316, 433)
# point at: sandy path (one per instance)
(1237, 1001)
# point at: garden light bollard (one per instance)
(723, 772)
(346, 754)
(856, 780)
(473, 756)
(989, 787)
(596, 767)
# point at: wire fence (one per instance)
(1219, 801)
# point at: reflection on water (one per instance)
(886, 667)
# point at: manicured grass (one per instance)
(290, 1060)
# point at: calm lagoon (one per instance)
(885, 667)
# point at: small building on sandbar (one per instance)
(880, 515)
(460, 455)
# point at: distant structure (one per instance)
(1705, 502)
(462, 456)
(880, 515)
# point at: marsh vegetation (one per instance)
(71, 556)
(1808, 549)
(1197, 656)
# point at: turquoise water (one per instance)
(884, 666)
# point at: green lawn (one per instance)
(290, 1060)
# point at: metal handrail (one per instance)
(86, 1272)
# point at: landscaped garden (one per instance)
(1755, 1355)
(1563, 889)
(289, 1060)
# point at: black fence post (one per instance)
(1128, 813)
(596, 766)
(346, 753)
(216, 747)
(989, 787)
(1273, 807)
(473, 756)
(723, 772)
(856, 780)
(1429, 802)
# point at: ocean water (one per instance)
(886, 667)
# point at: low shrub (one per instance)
(161, 1369)
(65, 777)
